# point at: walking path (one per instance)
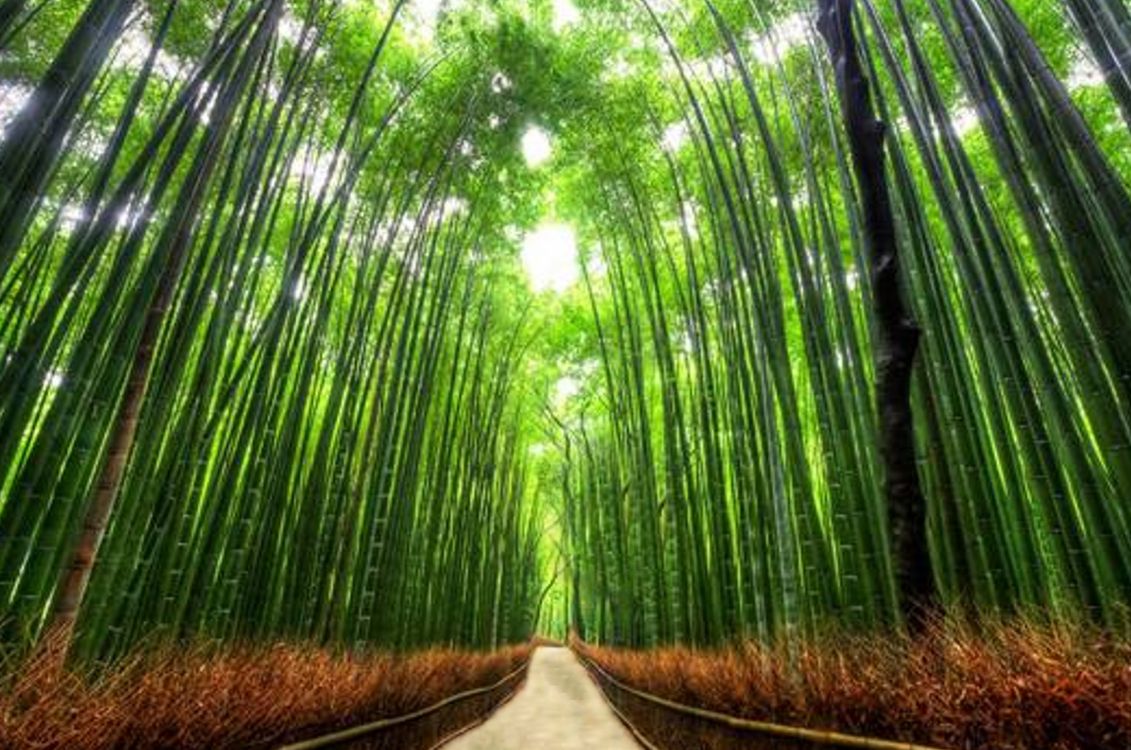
(559, 708)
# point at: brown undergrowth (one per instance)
(1006, 687)
(206, 696)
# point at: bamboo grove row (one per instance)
(262, 375)
(731, 485)
(264, 361)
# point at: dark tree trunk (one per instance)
(10, 11)
(172, 250)
(575, 606)
(897, 335)
(35, 136)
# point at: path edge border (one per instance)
(785, 731)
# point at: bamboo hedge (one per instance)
(263, 378)
(269, 367)
(733, 485)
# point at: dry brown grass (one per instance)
(1007, 687)
(248, 696)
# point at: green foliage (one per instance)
(724, 481)
(351, 421)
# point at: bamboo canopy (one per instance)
(272, 364)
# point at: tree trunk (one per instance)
(77, 575)
(897, 334)
(575, 604)
(31, 148)
(176, 244)
(10, 11)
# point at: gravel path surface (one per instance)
(559, 708)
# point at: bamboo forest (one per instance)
(565, 374)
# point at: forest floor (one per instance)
(1012, 685)
(223, 697)
(559, 708)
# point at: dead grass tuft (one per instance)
(205, 696)
(1009, 687)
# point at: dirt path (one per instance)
(559, 708)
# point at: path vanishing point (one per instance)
(559, 708)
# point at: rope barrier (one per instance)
(353, 733)
(477, 723)
(644, 741)
(816, 736)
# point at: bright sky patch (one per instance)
(536, 146)
(565, 389)
(549, 256)
(675, 135)
(565, 14)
